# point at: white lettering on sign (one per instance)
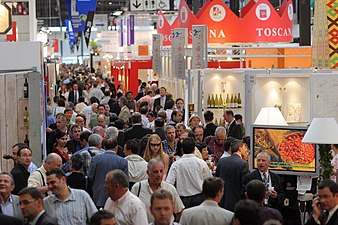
(216, 33)
(274, 32)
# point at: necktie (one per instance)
(325, 217)
(75, 97)
(265, 180)
(162, 102)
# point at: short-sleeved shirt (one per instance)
(146, 192)
(75, 210)
(128, 210)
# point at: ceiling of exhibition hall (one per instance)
(53, 13)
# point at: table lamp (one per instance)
(270, 116)
(323, 131)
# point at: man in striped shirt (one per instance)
(67, 205)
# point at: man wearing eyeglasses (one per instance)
(31, 204)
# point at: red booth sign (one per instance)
(258, 22)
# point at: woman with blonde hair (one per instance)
(154, 150)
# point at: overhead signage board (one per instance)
(157, 46)
(136, 5)
(163, 4)
(149, 5)
(5, 18)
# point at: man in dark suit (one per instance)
(255, 190)
(136, 131)
(75, 94)
(233, 128)
(271, 180)
(210, 127)
(9, 220)
(162, 99)
(31, 204)
(232, 170)
(100, 165)
(325, 206)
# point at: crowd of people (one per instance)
(113, 158)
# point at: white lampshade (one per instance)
(270, 116)
(322, 131)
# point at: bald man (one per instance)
(38, 178)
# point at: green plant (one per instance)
(325, 162)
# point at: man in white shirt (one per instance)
(127, 208)
(162, 208)
(144, 189)
(38, 178)
(209, 211)
(188, 173)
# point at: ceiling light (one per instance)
(117, 13)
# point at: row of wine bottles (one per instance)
(219, 122)
(234, 101)
(26, 118)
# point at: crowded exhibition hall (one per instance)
(168, 112)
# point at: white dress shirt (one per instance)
(146, 192)
(189, 173)
(128, 210)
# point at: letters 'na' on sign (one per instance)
(5, 18)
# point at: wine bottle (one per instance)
(25, 89)
(26, 141)
(26, 118)
(220, 122)
(227, 101)
(212, 103)
(208, 102)
(216, 121)
(220, 101)
(235, 102)
(216, 102)
(232, 104)
(239, 100)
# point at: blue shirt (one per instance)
(167, 148)
(75, 210)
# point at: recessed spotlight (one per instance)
(110, 3)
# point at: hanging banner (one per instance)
(71, 36)
(131, 30)
(199, 47)
(120, 32)
(88, 29)
(78, 12)
(178, 44)
(258, 22)
(156, 60)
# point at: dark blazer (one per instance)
(333, 220)
(73, 146)
(209, 129)
(20, 175)
(275, 182)
(71, 97)
(45, 220)
(235, 131)
(160, 132)
(136, 131)
(9, 220)
(100, 165)
(157, 102)
(232, 170)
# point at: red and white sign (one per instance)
(258, 22)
